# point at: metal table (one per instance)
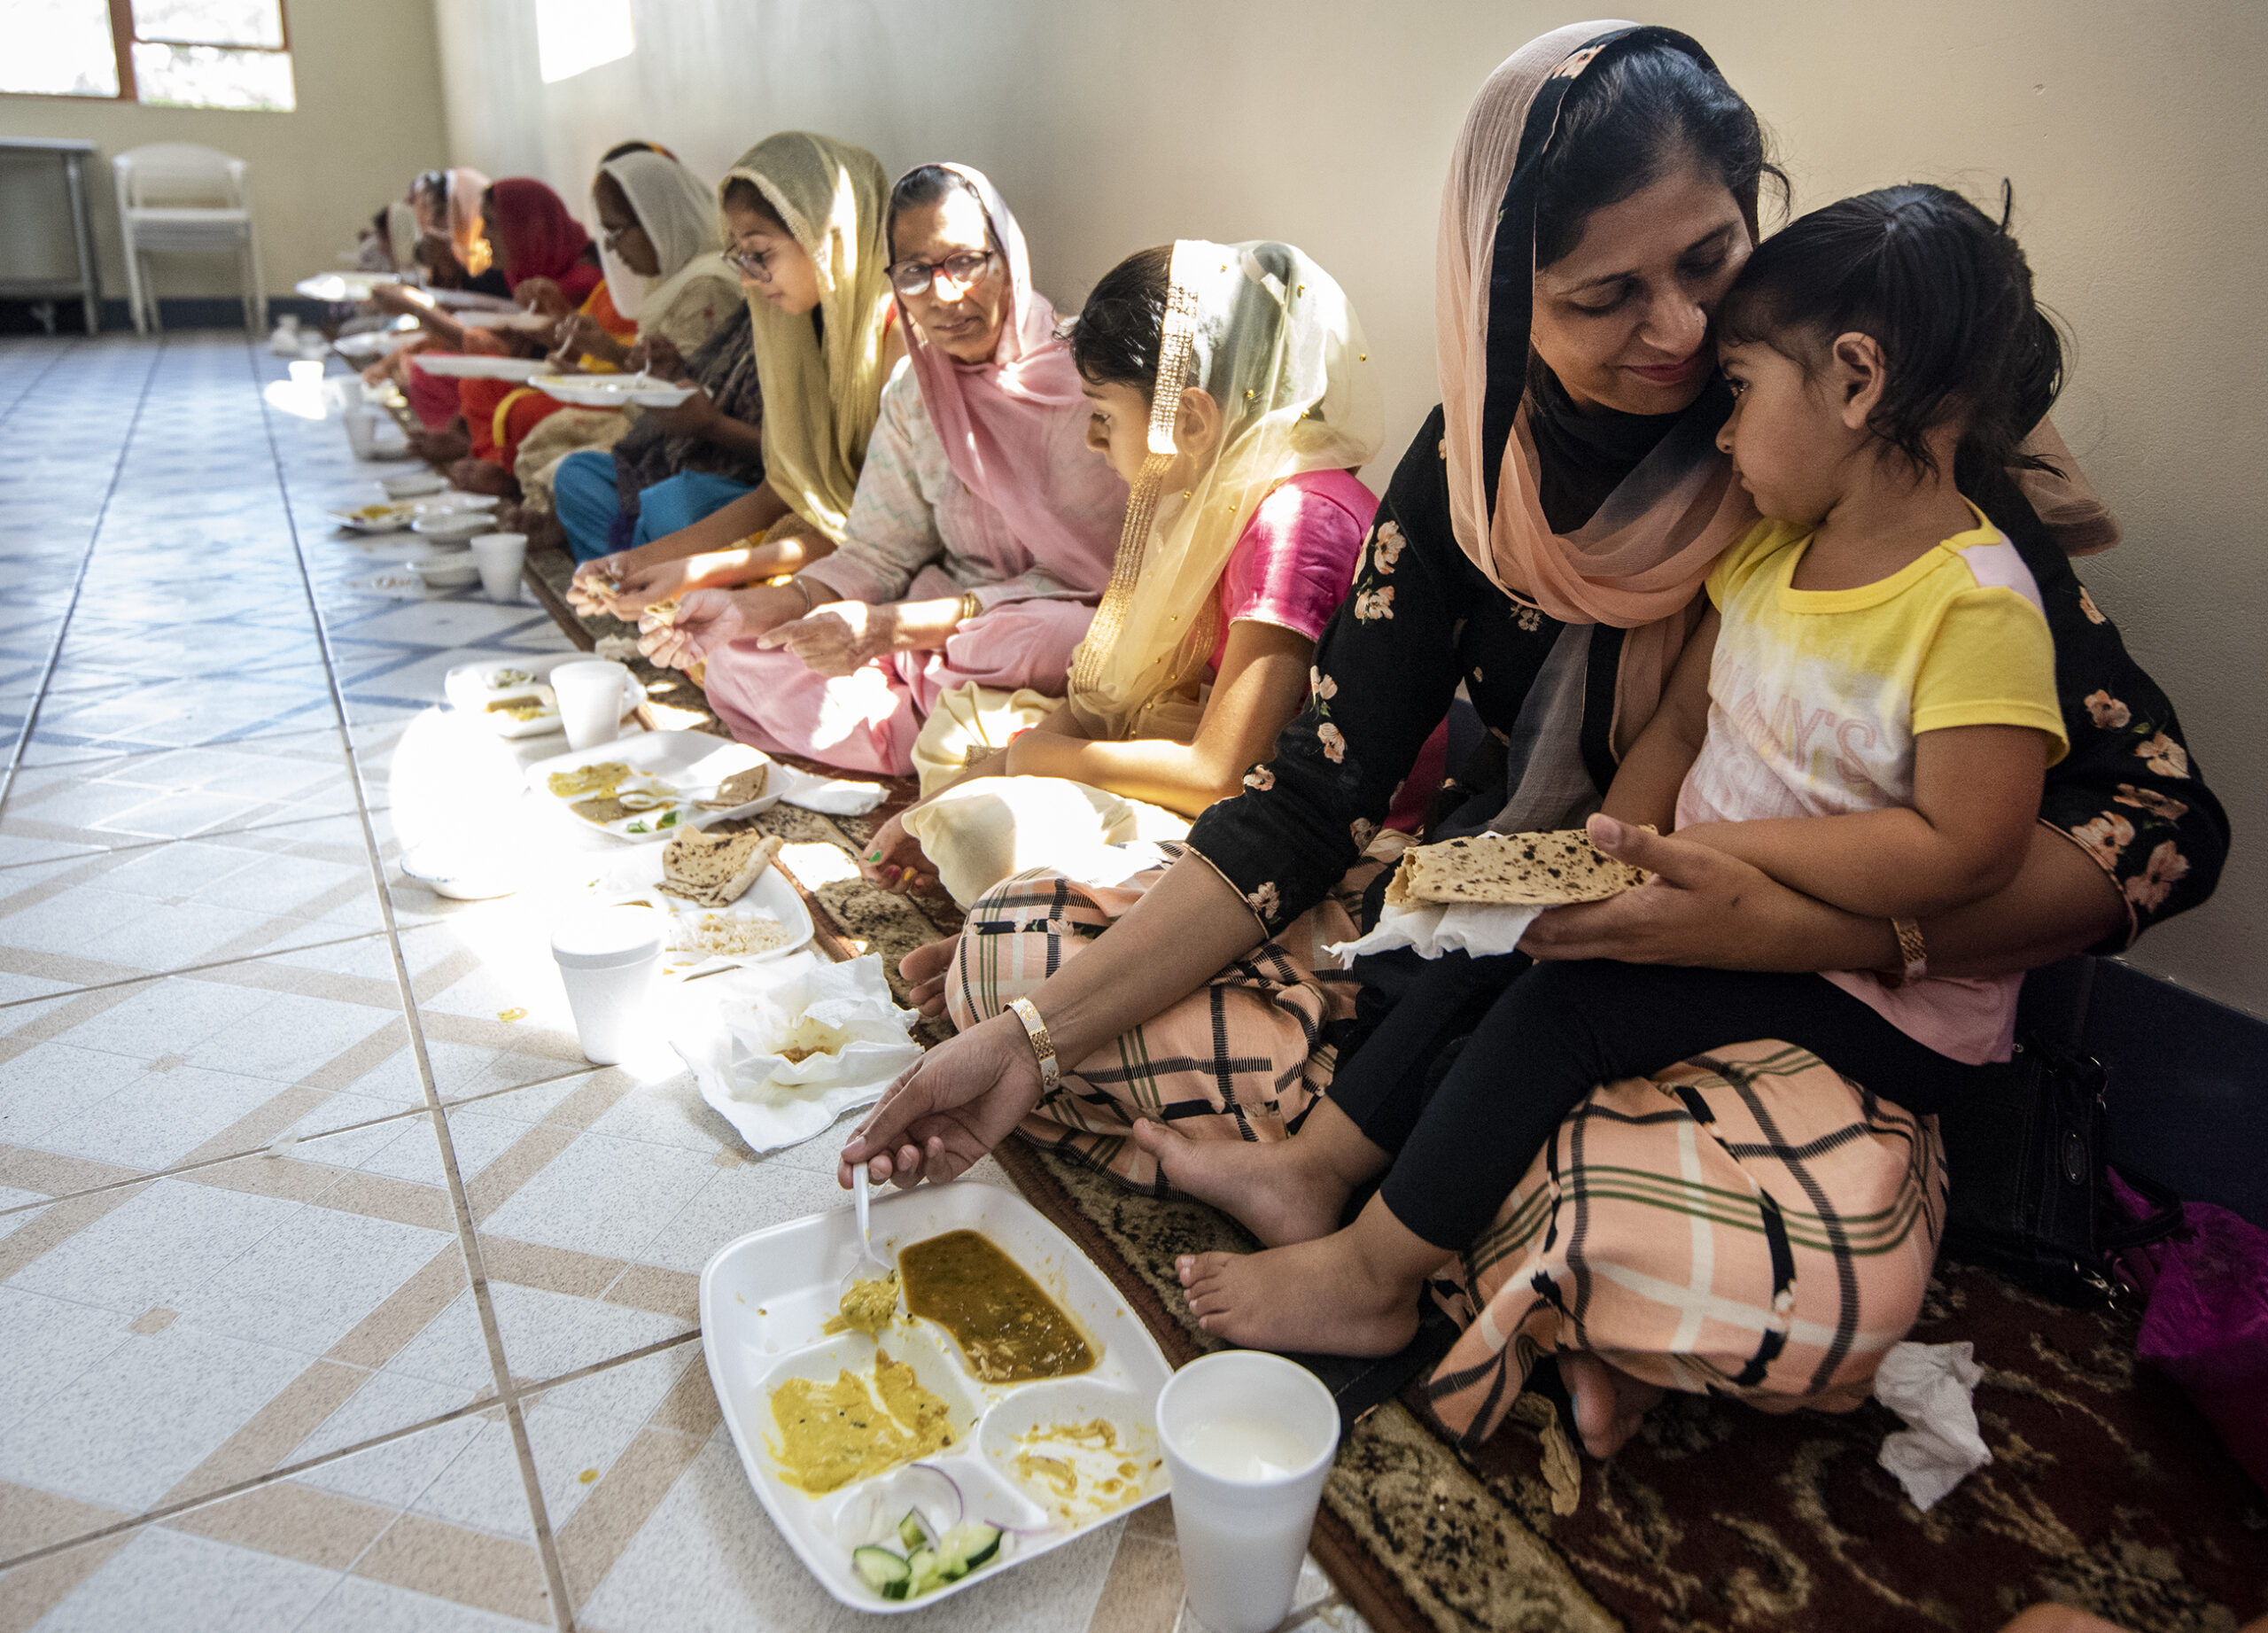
(75, 155)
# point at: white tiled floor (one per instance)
(325, 1304)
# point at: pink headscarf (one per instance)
(1640, 562)
(1000, 420)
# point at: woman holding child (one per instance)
(1546, 543)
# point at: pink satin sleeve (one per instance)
(1296, 559)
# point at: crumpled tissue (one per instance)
(843, 1012)
(1431, 928)
(831, 796)
(1930, 1386)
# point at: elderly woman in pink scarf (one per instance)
(982, 533)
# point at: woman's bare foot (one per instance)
(925, 969)
(1273, 1188)
(1323, 1297)
(1609, 1404)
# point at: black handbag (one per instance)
(2030, 1195)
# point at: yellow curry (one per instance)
(832, 1433)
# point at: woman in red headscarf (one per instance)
(552, 267)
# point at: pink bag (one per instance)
(2206, 1323)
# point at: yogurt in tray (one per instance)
(992, 1453)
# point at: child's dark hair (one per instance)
(1116, 337)
(924, 185)
(1630, 119)
(742, 194)
(1944, 291)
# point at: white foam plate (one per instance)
(691, 762)
(763, 1299)
(370, 344)
(611, 391)
(478, 366)
(473, 687)
(389, 517)
(526, 323)
(638, 877)
(340, 287)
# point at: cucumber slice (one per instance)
(882, 1570)
(921, 1572)
(911, 1532)
(970, 1545)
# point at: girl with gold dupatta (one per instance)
(1230, 385)
(803, 217)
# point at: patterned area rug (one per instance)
(2107, 1490)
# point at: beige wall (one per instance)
(369, 117)
(2131, 133)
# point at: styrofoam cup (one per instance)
(590, 692)
(607, 959)
(501, 556)
(1248, 1440)
(361, 431)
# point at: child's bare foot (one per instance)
(1323, 1297)
(1609, 1404)
(1268, 1186)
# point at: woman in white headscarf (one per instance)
(661, 243)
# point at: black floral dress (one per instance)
(1422, 618)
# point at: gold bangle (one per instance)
(970, 606)
(1913, 955)
(1043, 1051)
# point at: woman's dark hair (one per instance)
(1115, 339)
(634, 146)
(742, 194)
(1626, 123)
(925, 186)
(1943, 290)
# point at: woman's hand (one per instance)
(542, 295)
(836, 638)
(704, 622)
(640, 584)
(579, 333)
(895, 860)
(696, 416)
(964, 1097)
(657, 355)
(1701, 907)
(592, 589)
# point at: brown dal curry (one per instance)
(1008, 1329)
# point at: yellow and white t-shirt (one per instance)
(1815, 698)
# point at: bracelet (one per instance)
(1050, 1073)
(1912, 953)
(810, 599)
(970, 607)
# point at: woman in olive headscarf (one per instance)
(803, 229)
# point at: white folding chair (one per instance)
(175, 195)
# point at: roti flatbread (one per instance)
(715, 870)
(1526, 870)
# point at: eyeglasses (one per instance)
(753, 263)
(961, 272)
